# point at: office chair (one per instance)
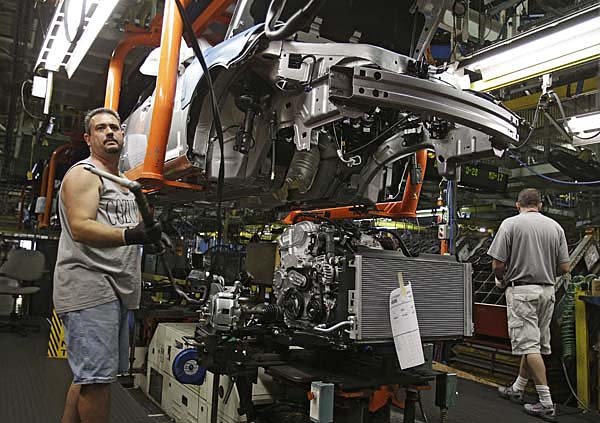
(21, 266)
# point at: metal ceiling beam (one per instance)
(523, 172)
(20, 28)
(90, 69)
(547, 8)
(563, 91)
(502, 6)
(493, 27)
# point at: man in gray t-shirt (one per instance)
(529, 251)
(97, 278)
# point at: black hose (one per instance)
(401, 243)
(176, 287)
(379, 137)
(189, 32)
(319, 217)
(295, 23)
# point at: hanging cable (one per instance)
(31, 115)
(215, 112)
(80, 25)
(557, 181)
(425, 419)
(564, 366)
(564, 118)
(533, 123)
(379, 137)
(301, 18)
(587, 138)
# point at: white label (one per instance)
(38, 88)
(405, 327)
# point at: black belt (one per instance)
(528, 283)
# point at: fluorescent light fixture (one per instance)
(585, 128)
(57, 51)
(438, 211)
(566, 42)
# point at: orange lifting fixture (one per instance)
(393, 210)
(151, 172)
(167, 33)
(133, 39)
(47, 186)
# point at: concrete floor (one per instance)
(33, 387)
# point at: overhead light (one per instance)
(62, 49)
(584, 128)
(438, 211)
(560, 44)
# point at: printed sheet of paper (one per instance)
(405, 327)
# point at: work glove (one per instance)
(140, 234)
(501, 284)
(165, 244)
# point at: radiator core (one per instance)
(441, 289)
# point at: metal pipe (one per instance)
(451, 203)
(321, 328)
(48, 97)
(405, 208)
(166, 83)
(19, 138)
(20, 213)
(43, 187)
(412, 190)
(152, 38)
(117, 62)
(213, 9)
(45, 222)
(20, 25)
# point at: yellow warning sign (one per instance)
(57, 348)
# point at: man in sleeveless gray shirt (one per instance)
(529, 251)
(97, 277)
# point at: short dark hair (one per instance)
(529, 197)
(89, 115)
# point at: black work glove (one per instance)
(140, 234)
(165, 244)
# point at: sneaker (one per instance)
(507, 392)
(539, 410)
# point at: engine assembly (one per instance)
(332, 287)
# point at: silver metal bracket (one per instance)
(372, 87)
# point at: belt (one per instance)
(528, 283)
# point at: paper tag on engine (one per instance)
(405, 327)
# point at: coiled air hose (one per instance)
(567, 326)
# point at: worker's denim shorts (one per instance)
(529, 311)
(97, 342)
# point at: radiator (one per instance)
(441, 289)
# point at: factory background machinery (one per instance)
(308, 159)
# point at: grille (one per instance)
(441, 289)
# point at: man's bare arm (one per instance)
(563, 268)
(499, 268)
(80, 196)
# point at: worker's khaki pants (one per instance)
(529, 310)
